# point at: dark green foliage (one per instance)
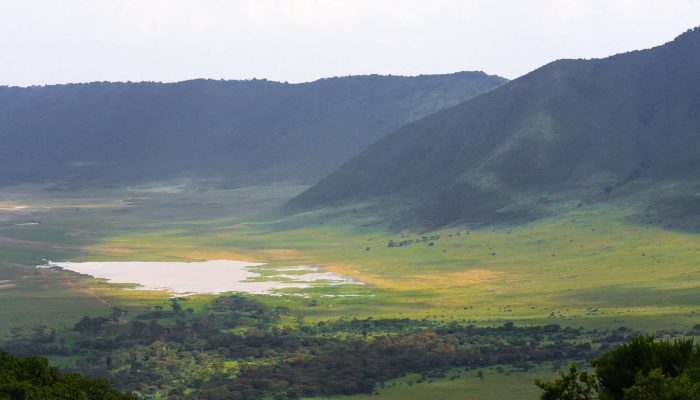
(240, 131)
(619, 369)
(574, 385)
(582, 130)
(678, 212)
(185, 355)
(642, 369)
(32, 378)
(90, 325)
(659, 386)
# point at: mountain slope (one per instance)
(571, 130)
(244, 131)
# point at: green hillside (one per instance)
(237, 131)
(571, 132)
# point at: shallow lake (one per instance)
(212, 276)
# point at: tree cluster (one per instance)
(238, 348)
(33, 378)
(642, 369)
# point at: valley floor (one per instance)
(590, 266)
(492, 384)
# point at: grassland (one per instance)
(589, 266)
(492, 383)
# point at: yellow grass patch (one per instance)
(462, 278)
(112, 250)
(281, 254)
(217, 255)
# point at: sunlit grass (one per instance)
(588, 266)
(491, 383)
(584, 265)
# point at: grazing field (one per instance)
(588, 266)
(493, 383)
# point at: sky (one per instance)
(51, 41)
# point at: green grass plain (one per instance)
(466, 385)
(588, 266)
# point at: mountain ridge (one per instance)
(241, 132)
(587, 127)
(246, 80)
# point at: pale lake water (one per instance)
(212, 276)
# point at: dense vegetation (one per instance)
(642, 369)
(573, 131)
(32, 378)
(238, 348)
(238, 131)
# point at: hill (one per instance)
(254, 131)
(570, 132)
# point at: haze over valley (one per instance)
(444, 235)
(236, 132)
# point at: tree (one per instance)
(90, 325)
(621, 368)
(574, 385)
(33, 378)
(642, 369)
(118, 315)
(176, 307)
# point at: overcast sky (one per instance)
(52, 41)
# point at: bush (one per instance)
(642, 369)
(33, 378)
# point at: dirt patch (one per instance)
(6, 284)
(12, 213)
(15, 208)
